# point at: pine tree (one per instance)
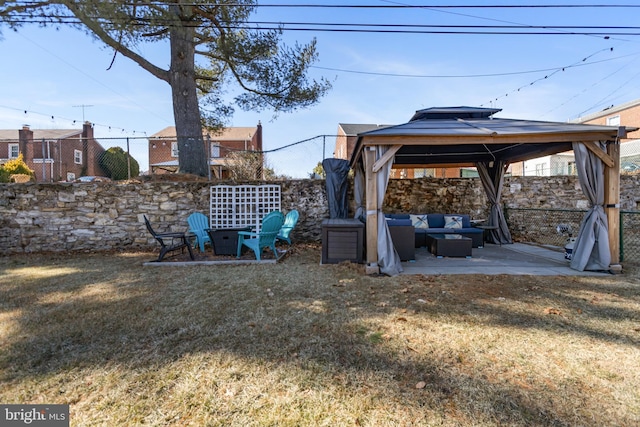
(270, 75)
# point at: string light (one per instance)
(72, 121)
(546, 77)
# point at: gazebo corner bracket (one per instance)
(385, 158)
(595, 149)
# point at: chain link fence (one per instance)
(553, 227)
(630, 237)
(68, 158)
(68, 155)
(57, 157)
(543, 226)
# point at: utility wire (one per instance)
(92, 78)
(464, 76)
(372, 6)
(602, 100)
(522, 29)
(549, 75)
(391, 6)
(445, 29)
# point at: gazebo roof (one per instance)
(464, 135)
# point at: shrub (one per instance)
(114, 163)
(14, 166)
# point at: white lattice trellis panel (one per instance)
(242, 205)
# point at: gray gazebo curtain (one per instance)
(591, 250)
(492, 178)
(359, 191)
(388, 259)
(337, 172)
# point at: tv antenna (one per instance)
(83, 106)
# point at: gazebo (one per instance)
(469, 136)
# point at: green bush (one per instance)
(114, 163)
(14, 166)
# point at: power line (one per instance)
(418, 26)
(132, 101)
(493, 30)
(444, 6)
(611, 93)
(27, 3)
(465, 76)
(549, 75)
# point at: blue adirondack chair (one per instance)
(198, 223)
(266, 238)
(290, 221)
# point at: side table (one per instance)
(486, 229)
(224, 241)
(342, 240)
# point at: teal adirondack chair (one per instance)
(290, 221)
(266, 238)
(198, 223)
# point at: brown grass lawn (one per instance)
(300, 344)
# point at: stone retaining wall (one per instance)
(104, 216)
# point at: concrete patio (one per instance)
(512, 259)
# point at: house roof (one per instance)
(13, 134)
(354, 129)
(227, 134)
(462, 136)
(608, 111)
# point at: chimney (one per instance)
(259, 144)
(90, 159)
(25, 140)
(87, 130)
(259, 137)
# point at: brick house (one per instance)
(54, 154)
(627, 114)
(163, 148)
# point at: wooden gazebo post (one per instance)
(371, 184)
(612, 204)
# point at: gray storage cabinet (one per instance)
(342, 240)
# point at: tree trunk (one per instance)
(192, 156)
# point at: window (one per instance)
(424, 173)
(14, 151)
(215, 149)
(540, 169)
(77, 157)
(613, 121)
(571, 168)
(174, 149)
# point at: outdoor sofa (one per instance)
(434, 223)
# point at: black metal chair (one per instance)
(169, 242)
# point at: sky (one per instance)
(57, 78)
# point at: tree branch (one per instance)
(106, 38)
